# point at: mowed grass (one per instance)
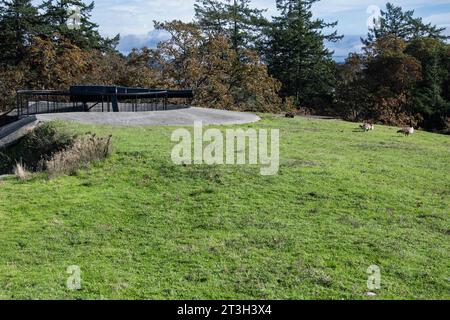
(141, 227)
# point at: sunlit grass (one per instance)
(141, 227)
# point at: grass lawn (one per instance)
(141, 227)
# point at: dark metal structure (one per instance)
(100, 99)
(95, 99)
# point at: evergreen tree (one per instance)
(401, 24)
(352, 98)
(210, 15)
(71, 20)
(19, 22)
(297, 55)
(398, 82)
(234, 18)
(430, 97)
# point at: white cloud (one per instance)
(327, 7)
(150, 40)
(125, 9)
(133, 19)
(136, 16)
(442, 20)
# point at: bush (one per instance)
(83, 151)
(37, 146)
(52, 147)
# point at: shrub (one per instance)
(83, 151)
(38, 145)
(52, 147)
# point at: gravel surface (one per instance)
(180, 117)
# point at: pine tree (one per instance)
(71, 19)
(401, 24)
(297, 55)
(19, 22)
(241, 23)
(429, 95)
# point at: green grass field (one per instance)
(141, 227)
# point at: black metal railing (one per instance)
(30, 102)
(100, 99)
(95, 99)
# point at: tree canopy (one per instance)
(402, 73)
(234, 19)
(57, 15)
(296, 53)
(19, 23)
(394, 21)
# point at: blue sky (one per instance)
(133, 19)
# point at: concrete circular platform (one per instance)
(178, 117)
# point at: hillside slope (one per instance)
(141, 227)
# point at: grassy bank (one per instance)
(141, 227)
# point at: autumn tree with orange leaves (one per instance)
(208, 64)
